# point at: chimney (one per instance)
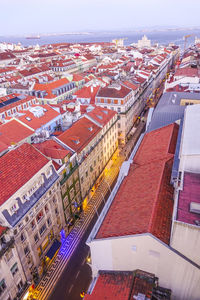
(92, 90)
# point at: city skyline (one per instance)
(35, 17)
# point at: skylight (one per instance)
(28, 119)
(100, 117)
(90, 128)
(105, 112)
(76, 141)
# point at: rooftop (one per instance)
(149, 209)
(190, 193)
(101, 115)
(191, 127)
(169, 109)
(120, 91)
(112, 285)
(48, 87)
(79, 135)
(52, 149)
(20, 164)
(34, 120)
(13, 132)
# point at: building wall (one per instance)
(94, 157)
(11, 271)
(126, 111)
(148, 253)
(186, 239)
(189, 163)
(31, 249)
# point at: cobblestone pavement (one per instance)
(71, 242)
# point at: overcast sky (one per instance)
(47, 16)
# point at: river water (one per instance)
(162, 37)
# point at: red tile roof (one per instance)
(2, 230)
(101, 115)
(12, 133)
(17, 167)
(112, 286)
(151, 205)
(187, 72)
(52, 149)
(131, 85)
(190, 193)
(79, 135)
(87, 93)
(113, 92)
(37, 122)
(48, 87)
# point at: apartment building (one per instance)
(31, 206)
(65, 162)
(119, 98)
(94, 139)
(12, 276)
(134, 227)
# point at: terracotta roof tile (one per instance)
(79, 135)
(112, 286)
(17, 167)
(13, 132)
(113, 92)
(52, 149)
(102, 115)
(150, 206)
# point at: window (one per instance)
(54, 200)
(42, 229)
(33, 224)
(13, 209)
(46, 208)
(119, 125)
(86, 173)
(49, 172)
(9, 255)
(36, 238)
(82, 179)
(56, 211)
(39, 216)
(23, 237)
(26, 250)
(14, 269)
(2, 286)
(118, 109)
(49, 221)
(20, 285)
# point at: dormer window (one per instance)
(49, 172)
(90, 128)
(76, 141)
(13, 209)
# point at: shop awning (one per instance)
(55, 246)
